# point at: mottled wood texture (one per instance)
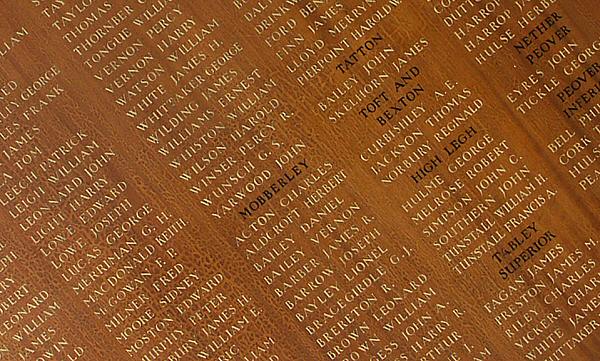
(207, 245)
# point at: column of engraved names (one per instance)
(302, 262)
(458, 106)
(316, 39)
(576, 146)
(531, 257)
(566, 277)
(403, 151)
(32, 202)
(305, 284)
(139, 83)
(533, 32)
(29, 316)
(471, 193)
(202, 143)
(78, 219)
(486, 215)
(549, 310)
(470, 190)
(561, 69)
(424, 326)
(490, 192)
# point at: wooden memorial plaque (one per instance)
(361, 180)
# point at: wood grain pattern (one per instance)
(231, 180)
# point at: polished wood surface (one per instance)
(299, 180)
